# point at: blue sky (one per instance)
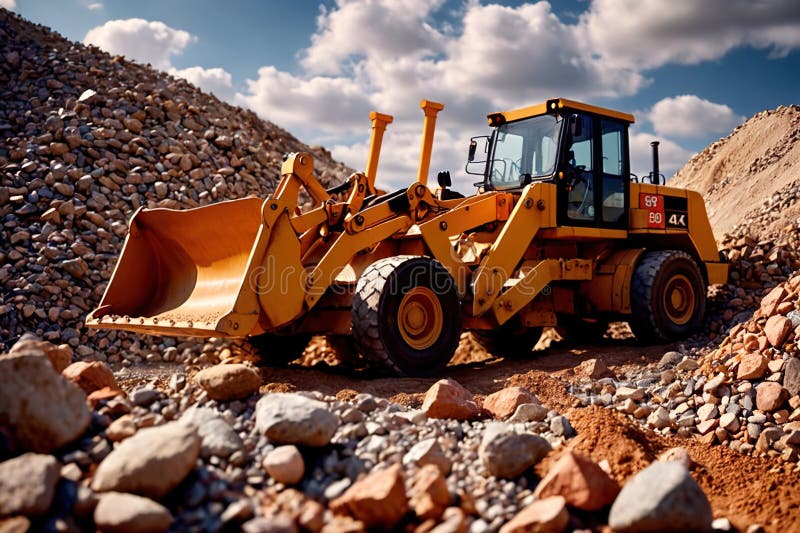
(689, 70)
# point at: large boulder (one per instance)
(504, 402)
(548, 515)
(448, 399)
(507, 454)
(27, 484)
(150, 463)
(228, 382)
(284, 464)
(662, 497)
(582, 483)
(59, 356)
(90, 375)
(216, 435)
(378, 500)
(118, 512)
(41, 410)
(770, 396)
(289, 418)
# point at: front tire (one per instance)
(668, 297)
(406, 315)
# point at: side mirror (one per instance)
(576, 123)
(473, 146)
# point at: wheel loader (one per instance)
(559, 233)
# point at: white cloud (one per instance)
(525, 54)
(333, 104)
(386, 55)
(689, 116)
(382, 28)
(145, 41)
(8, 4)
(94, 6)
(216, 81)
(646, 34)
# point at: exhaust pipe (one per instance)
(655, 177)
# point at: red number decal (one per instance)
(654, 204)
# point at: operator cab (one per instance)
(582, 148)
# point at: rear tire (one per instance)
(668, 297)
(406, 315)
(278, 350)
(509, 341)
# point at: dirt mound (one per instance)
(759, 160)
(743, 489)
(85, 140)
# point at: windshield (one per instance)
(523, 150)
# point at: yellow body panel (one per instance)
(535, 209)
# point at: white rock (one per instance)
(151, 463)
(127, 513)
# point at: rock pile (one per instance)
(152, 459)
(760, 159)
(85, 140)
(745, 393)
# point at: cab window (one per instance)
(580, 175)
(613, 186)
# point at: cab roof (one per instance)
(553, 106)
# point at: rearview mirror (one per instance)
(473, 145)
(576, 123)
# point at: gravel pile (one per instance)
(85, 140)
(157, 458)
(745, 393)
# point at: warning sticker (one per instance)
(654, 205)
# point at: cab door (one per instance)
(593, 173)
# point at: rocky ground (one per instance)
(117, 432)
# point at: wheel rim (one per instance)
(679, 299)
(420, 318)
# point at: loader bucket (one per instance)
(182, 272)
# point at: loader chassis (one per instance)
(559, 232)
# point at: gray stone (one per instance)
(670, 359)
(730, 422)
(662, 497)
(289, 418)
(41, 410)
(791, 376)
(123, 513)
(528, 412)
(144, 396)
(659, 418)
(150, 463)
(507, 454)
(428, 452)
(27, 484)
(561, 427)
(707, 411)
(217, 436)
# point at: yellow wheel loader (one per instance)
(559, 232)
